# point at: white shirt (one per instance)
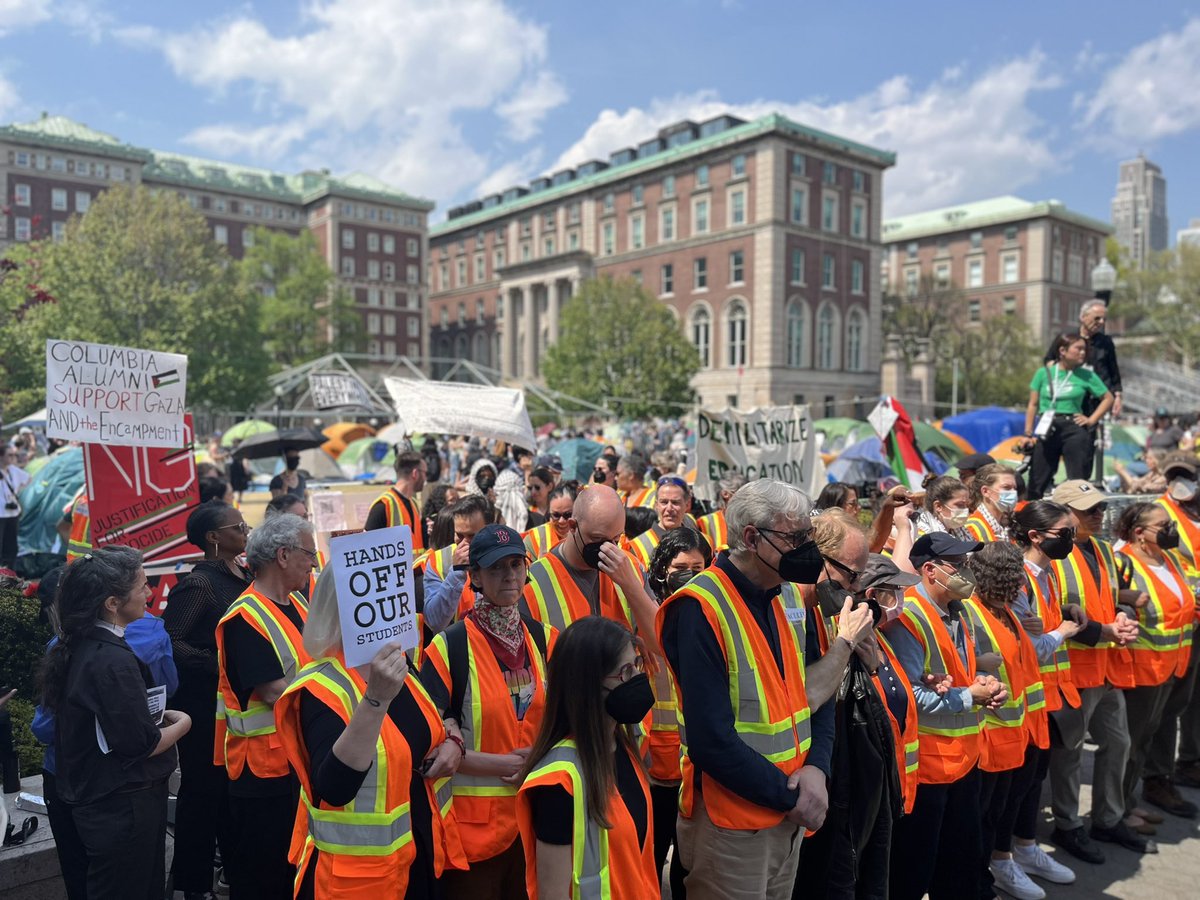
(12, 479)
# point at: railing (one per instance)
(1148, 384)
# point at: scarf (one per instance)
(503, 625)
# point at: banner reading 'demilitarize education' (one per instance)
(118, 396)
(776, 442)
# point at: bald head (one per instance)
(599, 513)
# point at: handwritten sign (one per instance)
(337, 390)
(776, 442)
(372, 574)
(117, 396)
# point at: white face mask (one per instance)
(958, 517)
(1182, 489)
(1007, 500)
(895, 611)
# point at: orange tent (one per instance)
(341, 434)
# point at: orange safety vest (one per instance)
(949, 742)
(908, 741)
(540, 540)
(553, 598)
(1092, 666)
(770, 711)
(485, 806)
(644, 497)
(1164, 642)
(1056, 673)
(642, 547)
(80, 540)
(366, 847)
(247, 736)
(442, 563)
(402, 511)
(1007, 731)
(715, 530)
(606, 863)
(980, 529)
(1189, 536)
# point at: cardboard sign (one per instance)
(373, 577)
(118, 396)
(338, 390)
(776, 442)
(141, 497)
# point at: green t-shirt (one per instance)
(1063, 391)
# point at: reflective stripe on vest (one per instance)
(552, 587)
(540, 540)
(979, 528)
(1189, 535)
(1092, 666)
(1012, 713)
(398, 511)
(715, 530)
(794, 610)
(947, 724)
(1164, 623)
(258, 718)
(644, 544)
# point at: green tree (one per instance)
(1162, 301)
(620, 346)
(931, 311)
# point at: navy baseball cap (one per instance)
(938, 545)
(494, 542)
(972, 461)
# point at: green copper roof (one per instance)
(67, 134)
(993, 211)
(761, 126)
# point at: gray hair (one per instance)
(732, 481)
(322, 626)
(275, 534)
(761, 503)
(1091, 304)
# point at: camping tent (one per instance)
(986, 427)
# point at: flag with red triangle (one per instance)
(900, 443)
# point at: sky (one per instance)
(453, 99)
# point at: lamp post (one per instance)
(1104, 279)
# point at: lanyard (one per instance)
(1056, 385)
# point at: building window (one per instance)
(795, 335)
(668, 279)
(797, 163)
(609, 200)
(1056, 270)
(911, 277)
(828, 272)
(1074, 269)
(21, 195)
(372, 242)
(736, 355)
(858, 219)
(974, 308)
(799, 211)
(480, 311)
(700, 273)
(638, 195)
(1010, 306)
(609, 242)
(975, 273)
(374, 348)
(668, 186)
(373, 269)
(547, 223)
(412, 274)
(666, 226)
(526, 228)
(860, 181)
(348, 266)
(1010, 269)
(736, 267)
(737, 208)
(637, 237)
(347, 239)
(573, 240)
(480, 267)
(976, 240)
(220, 234)
(389, 244)
(829, 212)
(373, 323)
(414, 326)
(701, 176)
(1010, 233)
(247, 236)
(58, 199)
(798, 262)
(739, 165)
(444, 276)
(498, 258)
(829, 173)
(21, 228)
(372, 296)
(573, 214)
(826, 331)
(389, 271)
(445, 317)
(941, 275)
(412, 246)
(636, 274)
(856, 276)
(702, 335)
(856, 327)
(83, 201)
(58, 230)
(460, 271)
(548, 247)
(700, 217)
(912, 249)
(462, 313)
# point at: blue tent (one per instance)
(984, 428)
(860, 462)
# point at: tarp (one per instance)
(986, 427)
(43, 500)
(439, 407)
(861, 462)
(578, 457)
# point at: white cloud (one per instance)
(8, 99)
(956, 139)
(267, 143)
(15, 14)
(1154, 92)
(525, 110)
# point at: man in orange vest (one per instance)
(259, 652)
(936, 849)
(672, 503)
(401, 503)
(745, 724)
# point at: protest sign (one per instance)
(335, 390)
(117, 396)
(372, 574)
(776, 442)
(141, 497)
(496, 414)
(328, 510)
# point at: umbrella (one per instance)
(245, 429)
(276, 441)
(341, 434)
(860, 462)
(578, 456)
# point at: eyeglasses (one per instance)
(1098, 510)
(629, 670)
(560, 516)
(852, 574)
(240, 526)
(1066, 531)
(793, 538)
(312, 554)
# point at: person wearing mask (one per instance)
(291, 480)
(749, 790)
(561, 504)
(584, 809)
(993, 499)
(538, 487)
(487, 673)
(587, 573)
(1161, 651)
(259, 652)
(1044, 532)
(373, 759)
(936, 847)
(448, 595)
(286, 505)
(399, 504)
(1013, 733)
(947, 507)
(113, 756)
(672, 504)
(631, 474)
(12, 479)
(713, 525)
(837, 495)
(195, 606)
(1055, 424)
(971, 463)
(1164, 434)
(605, 471)
(1100, 668)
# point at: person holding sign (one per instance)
(368, 747)
(1055, 425)
(487, 673)
(259, 652)
(398, 504)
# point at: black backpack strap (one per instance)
(456, 657)
(537, 631)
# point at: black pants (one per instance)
(936, 846)
(502, 877)
(258, 867)
(1067, 442)
(125, 836)
(665, 801)
(8, 540)
(1025, 825)
(1000, 798)
(831, 868)
(202, 811)
(72, 855)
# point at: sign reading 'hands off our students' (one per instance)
(776, 442)
(373, 577)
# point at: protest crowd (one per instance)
(611, 684)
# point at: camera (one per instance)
(11, 504)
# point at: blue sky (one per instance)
(456, 98)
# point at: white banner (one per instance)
(336, 390)
(372, 573)
(439, 407)
(118, 396)
(776, 442)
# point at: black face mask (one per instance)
(485, 482)
(590, 552)
(628, 703)
(599, 475)
(800, 565)
(1059, 546)
(1168, 538)
(293, 463)
(830, 597)
(675, 581)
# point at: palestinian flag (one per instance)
(900, 447)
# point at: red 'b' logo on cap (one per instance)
(502, 537)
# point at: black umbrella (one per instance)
(274, 443)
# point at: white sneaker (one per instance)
(1011, 879)
(1035, 861)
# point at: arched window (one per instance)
(794, 334)
(856, 335)
(736, 346)
(702, 334)
(827, 338)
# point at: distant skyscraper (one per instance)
(1139, 210)
(1189, 235)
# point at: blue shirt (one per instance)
(911, 656)
(148, 639)
(442, 596)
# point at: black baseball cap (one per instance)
(881, 572)
(939, 545)
(494, 542)
(972, 461)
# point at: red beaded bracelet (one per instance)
(462, 748)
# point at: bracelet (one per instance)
(374, 703)
(462, 748)
(853, 646)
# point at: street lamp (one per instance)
(1104, 279)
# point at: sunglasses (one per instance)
(672, 480)
(240, 526)
(560, 516)
(852, 574)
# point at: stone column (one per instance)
(508, 338)
(529, 320)
(556, 300)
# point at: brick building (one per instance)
(373, 237)
(762, 237)
(1007, 255)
